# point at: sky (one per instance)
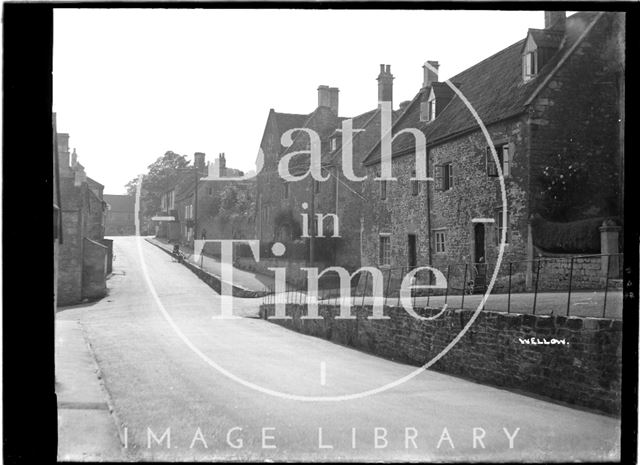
(131, 84)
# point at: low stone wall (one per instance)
(213, 281)
(581, 364)
(94, 270)
(555, 272)
(294, 268)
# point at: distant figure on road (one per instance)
(204, 234)
(176, 251)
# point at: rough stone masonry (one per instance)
(585, 370)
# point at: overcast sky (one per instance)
(131, 84)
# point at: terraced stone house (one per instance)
(552, 107)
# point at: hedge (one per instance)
(581, 236)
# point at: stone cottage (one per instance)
(84, 256)
(120, 215)
(292, 212)
(198, 206)
(551, 107)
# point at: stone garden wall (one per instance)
(580, 363)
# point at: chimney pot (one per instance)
(323, 96)
(555, 19)
(328, 97)
(430, 73)
(385, 85)
(198, 161)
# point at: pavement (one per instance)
(582, 303)
(86, 428)
(245, 279)
(186, 385)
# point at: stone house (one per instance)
(551, 107)
(120, 215)
(197, 212)
(283, 206)
(84, 256)
(57, 214)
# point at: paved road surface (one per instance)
(156, 381)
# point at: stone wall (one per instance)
(95, 211)
(120, 223)
(474, 195)
(70, 259)
(582, 367)
(213, 281)
(587, 273)
(94, 270)
(575, 125)
(294, 273)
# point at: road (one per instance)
(581, 303)
(156, 358)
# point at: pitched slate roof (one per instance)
(546, 38)
(324, 122)
(359, 122)
(286, 121)
(369, 135)
(443, 93)
(494, 87)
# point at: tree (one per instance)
(163, 174)
(237, 206)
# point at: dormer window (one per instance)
(428, 108)
(432, 109)
(529, 65)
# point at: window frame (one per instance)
(530, 65)
(415, 184)
(431, 109)
(505, 163)
(384, 249)
(444, 176)
(500, 226)
(383, 189)
(440, 240)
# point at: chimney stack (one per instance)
(555, 20)
(333, 99)
(323, 96)
(430, 73)
(222, 164)
(385, 85)
(63, 151)
(328, 97)
(198, 161)
(74, 158)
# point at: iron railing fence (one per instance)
(584, 285)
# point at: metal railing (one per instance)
(581, 285)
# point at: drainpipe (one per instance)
(312, 215)
(429, 213)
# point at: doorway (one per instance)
(412, 251)
(480, 267)
(479, 243)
